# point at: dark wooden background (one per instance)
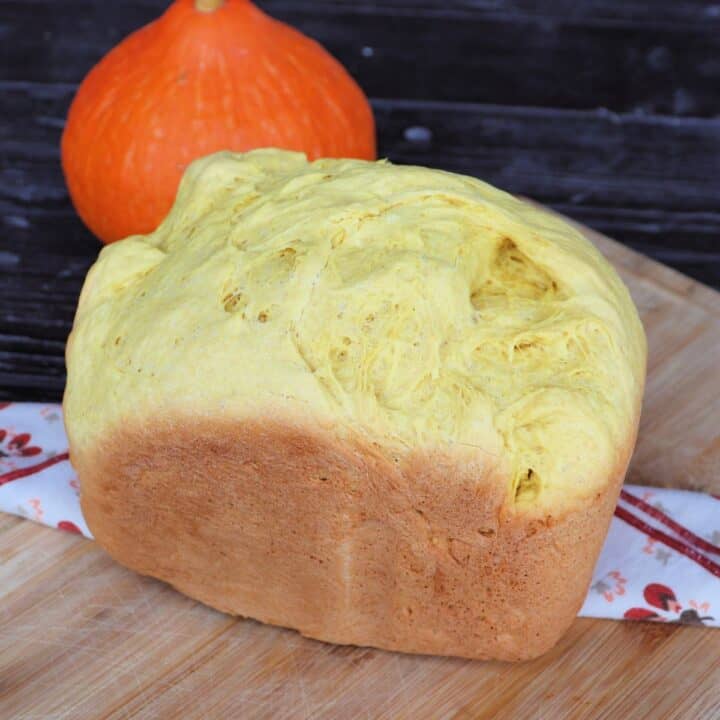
(608, 110)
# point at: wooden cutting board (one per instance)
(82, 638)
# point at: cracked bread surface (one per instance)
(394, 396)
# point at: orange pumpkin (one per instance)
(207, 75)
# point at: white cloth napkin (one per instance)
(660, 562)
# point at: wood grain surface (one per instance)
(82, 638)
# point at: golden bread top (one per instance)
(418, 308)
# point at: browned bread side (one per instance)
(342, 540)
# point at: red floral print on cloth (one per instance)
(663, 598)
(17, 445)
(38, 512)
(611, 586)
(69, 527)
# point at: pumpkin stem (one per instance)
(208, 6)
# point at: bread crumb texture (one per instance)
(419, 308)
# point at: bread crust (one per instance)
(343, 540)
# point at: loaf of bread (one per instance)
(381, 405)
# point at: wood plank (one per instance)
(586, 158)
(599, 168)
(632, 13)
(602, 168)
(611, 160)
(636, 60)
